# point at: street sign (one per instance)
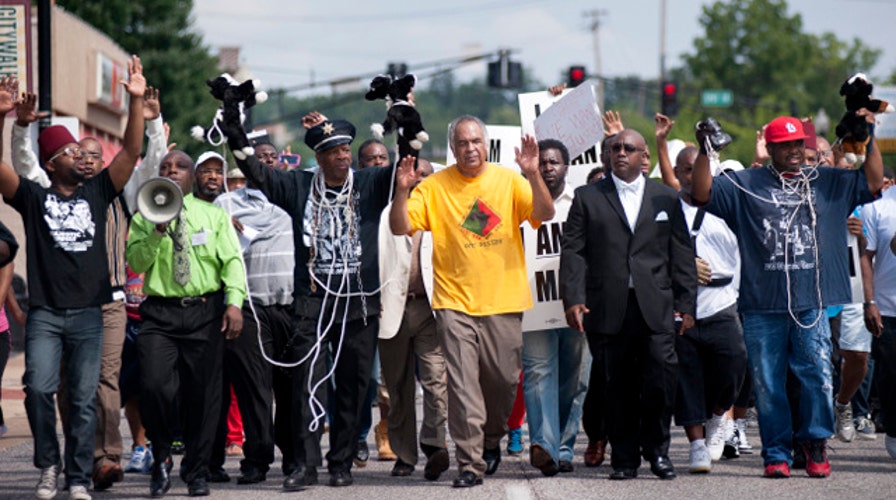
(716, 98)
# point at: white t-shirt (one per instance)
(879, 218)
(717, 245)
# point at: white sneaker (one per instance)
(740, 426)
(141, 460)
(890, 443)
(715, 436)
(865, 429)
(701, 461)
(846, 432)
(79, 492)
(46, 486)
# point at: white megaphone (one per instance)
(159, 200)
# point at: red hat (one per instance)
(52, 139)
(784, 129)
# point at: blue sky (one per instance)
(293, 42)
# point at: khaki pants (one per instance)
(108, 445)
(483, 357)
(415, 344)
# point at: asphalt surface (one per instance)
(861, 469)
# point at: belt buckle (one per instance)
(411, 296)
(186, 301)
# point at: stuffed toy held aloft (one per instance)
(235, 99)
(401, 116)
(852, 131)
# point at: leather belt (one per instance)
(182, 301)
(717, 282)
(415, 296)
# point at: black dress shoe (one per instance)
(218, 475)
(160, 481)
(662, 468)
(401, 469)
(565, 466)
(300, 478)
(198, 487)
(341, 478)
(492, 460)
(436, 464)
(467, 479)
(362, 454)
(622, 473)
(251, 475)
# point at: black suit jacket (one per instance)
(600, 251)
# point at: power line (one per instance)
(369, 18)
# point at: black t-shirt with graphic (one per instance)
(66, 235)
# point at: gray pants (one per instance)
(484, 363)
(415, 345)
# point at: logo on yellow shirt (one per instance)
(481, 220)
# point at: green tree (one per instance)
(173, 55)
(760, 51)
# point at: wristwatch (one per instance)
(870, 303)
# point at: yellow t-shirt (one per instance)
(478, 261)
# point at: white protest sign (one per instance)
(501, 141)
(533, 104)
(885, 131)
(542, 249)
(574, 120)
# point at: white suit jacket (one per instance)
(395, 267)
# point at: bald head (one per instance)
(627, 155)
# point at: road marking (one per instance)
(518, 492)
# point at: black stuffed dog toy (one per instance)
(401, 116)
(235, 99)
(852, 131)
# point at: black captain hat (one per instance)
(329, 133)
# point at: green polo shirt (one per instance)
(214, 255)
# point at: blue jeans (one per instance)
(556, 365)
(74, 338)
(774, 342)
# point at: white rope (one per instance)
(800, 187)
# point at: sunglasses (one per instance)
(629, 148)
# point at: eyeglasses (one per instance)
(629, 148)
(95, 156)
(70, 151)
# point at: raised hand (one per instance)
(9, 88)
(557, 89)
(527, 157)
(313, 118)
(136, 83)
(612, 123)
(26, 110)
(152, 108)
(406, 177)
(664, 125)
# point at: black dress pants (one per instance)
(640, 372)
(180, 347)
(353, 355)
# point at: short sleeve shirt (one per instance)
(66, 235)
(792, 244)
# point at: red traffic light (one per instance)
(575, 76)
(669, 88)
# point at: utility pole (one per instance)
(594, 25)
(662, 40)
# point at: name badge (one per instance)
(200, 238)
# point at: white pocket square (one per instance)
(662, 216)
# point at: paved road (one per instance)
(861, 469)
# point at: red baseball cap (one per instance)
(784, 129)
